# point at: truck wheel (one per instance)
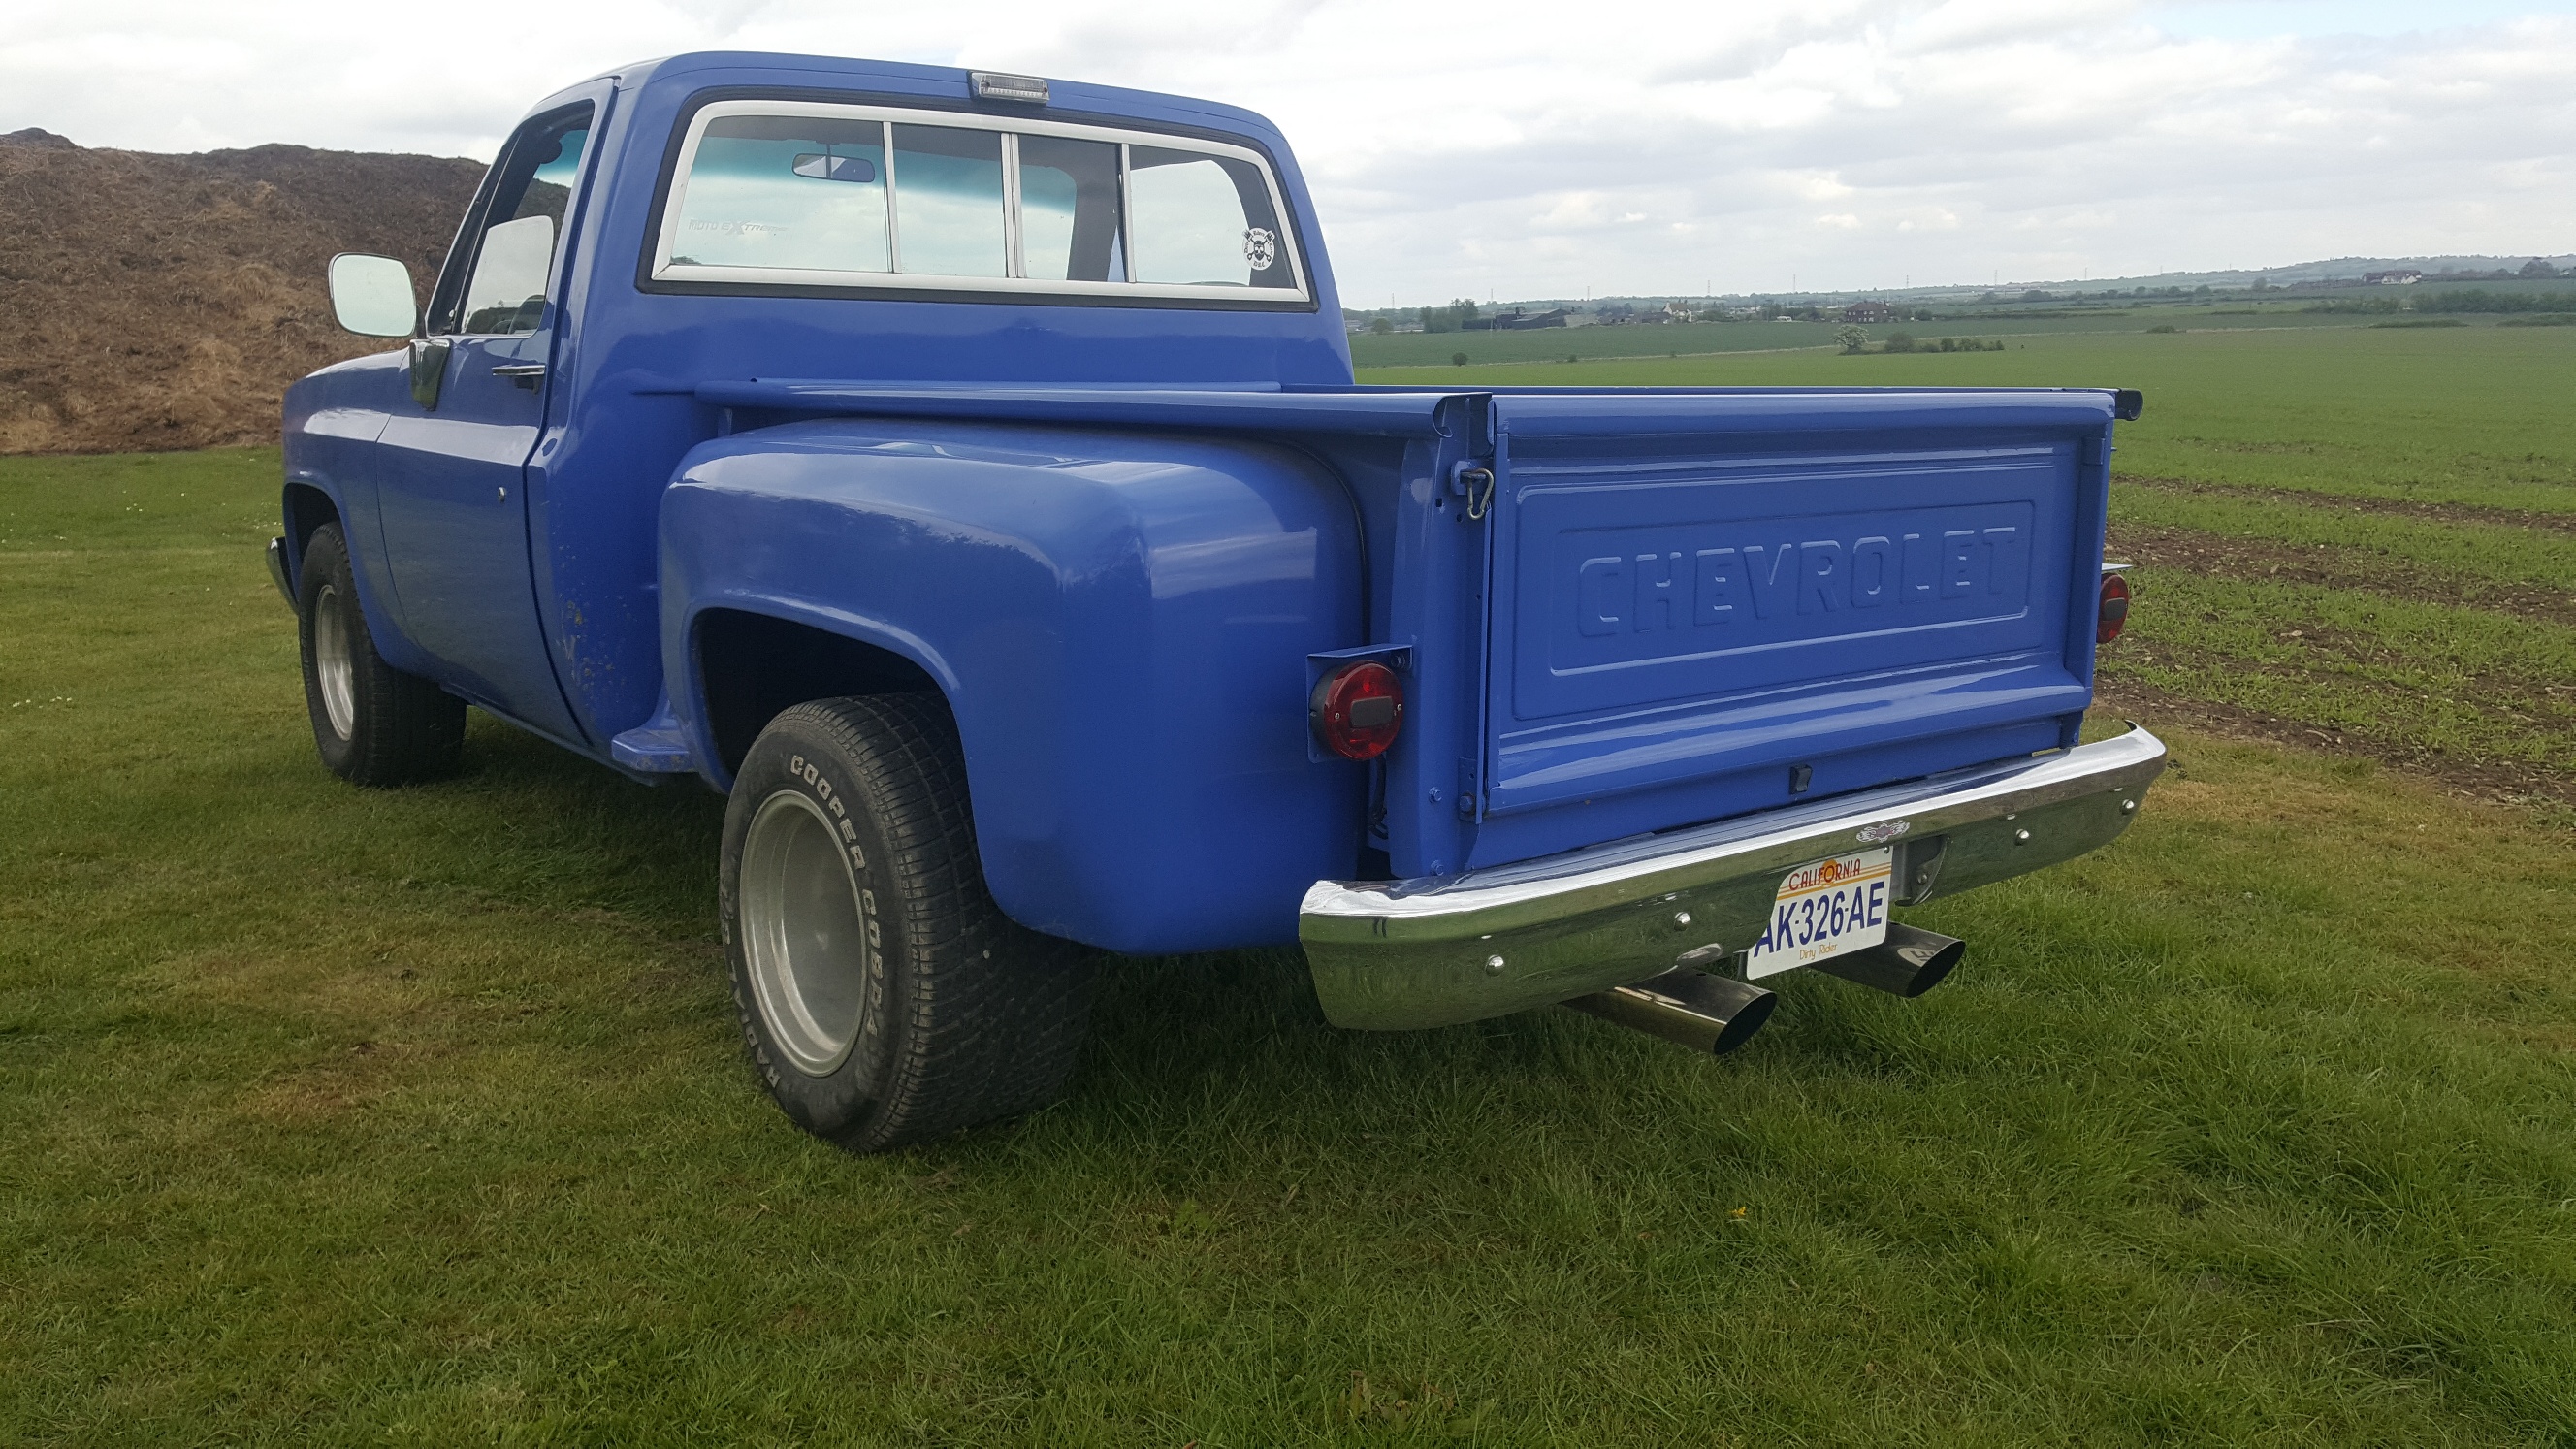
(373, 724)
(885, 999)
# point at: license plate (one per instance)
(1823, 910)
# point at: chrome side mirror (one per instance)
(372, 296)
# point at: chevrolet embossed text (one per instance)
(1671, 588)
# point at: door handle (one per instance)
(522, 374)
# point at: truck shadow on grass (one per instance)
(1177, 1042)
(1171, 1035)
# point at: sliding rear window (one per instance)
(804, 196)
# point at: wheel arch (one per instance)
(754, 662)
(305, 507)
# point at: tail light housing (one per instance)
(2114, 615)
(1357, 709)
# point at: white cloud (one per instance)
(1517, 149)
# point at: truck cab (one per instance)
(964, 473)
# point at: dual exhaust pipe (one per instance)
(1717, 1014)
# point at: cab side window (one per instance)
(504, 290)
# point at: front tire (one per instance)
(884, 998)
(372, 723)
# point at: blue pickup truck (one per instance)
(964, 474)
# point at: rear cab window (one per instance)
(805, 195)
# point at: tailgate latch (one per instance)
(1477, 483)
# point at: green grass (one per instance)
(2473, 415)
(2462, 684)
(330, 1116)
(2465, 556)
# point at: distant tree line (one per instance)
(1853, 340)
(2458, 300)
(1452, 318)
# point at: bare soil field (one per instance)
(152, 301)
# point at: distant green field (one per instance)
(418, 1117)
(1687, 339)
(2473, 415)
(2003, 320)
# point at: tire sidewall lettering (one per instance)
(857, 1080)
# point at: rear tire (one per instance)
(373, 724)
(884, 998)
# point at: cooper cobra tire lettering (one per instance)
(963, 1016)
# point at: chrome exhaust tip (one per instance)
(1713, 1014)
(1908, 963)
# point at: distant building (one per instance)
(2399, 277)
(1869, 312)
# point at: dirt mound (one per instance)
(151, 301)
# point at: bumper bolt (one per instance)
(2021, 837)
(1493, 965)
(1681, 918)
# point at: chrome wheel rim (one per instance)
(804, 932)
(331, 666)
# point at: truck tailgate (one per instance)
(1711, 603)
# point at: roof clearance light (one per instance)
(1357, 709)
(2115, 609)
(993, 86)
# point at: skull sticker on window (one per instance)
(1260, 247)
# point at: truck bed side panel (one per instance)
(1120, 622)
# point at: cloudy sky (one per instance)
(1617, 146)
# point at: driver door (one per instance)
(454, 453)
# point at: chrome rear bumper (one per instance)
(1430, 952)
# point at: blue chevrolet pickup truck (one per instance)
(964, 474)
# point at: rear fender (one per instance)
(1119, 622)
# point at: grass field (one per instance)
(418, 1118)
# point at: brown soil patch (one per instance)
(2389, 507)
(347, 1079)
(2504, 781)
(154, 301)
(2367, 570)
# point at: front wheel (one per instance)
(884, 998)
(372, 723)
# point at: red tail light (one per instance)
(2115, 609)
(1357, 709)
